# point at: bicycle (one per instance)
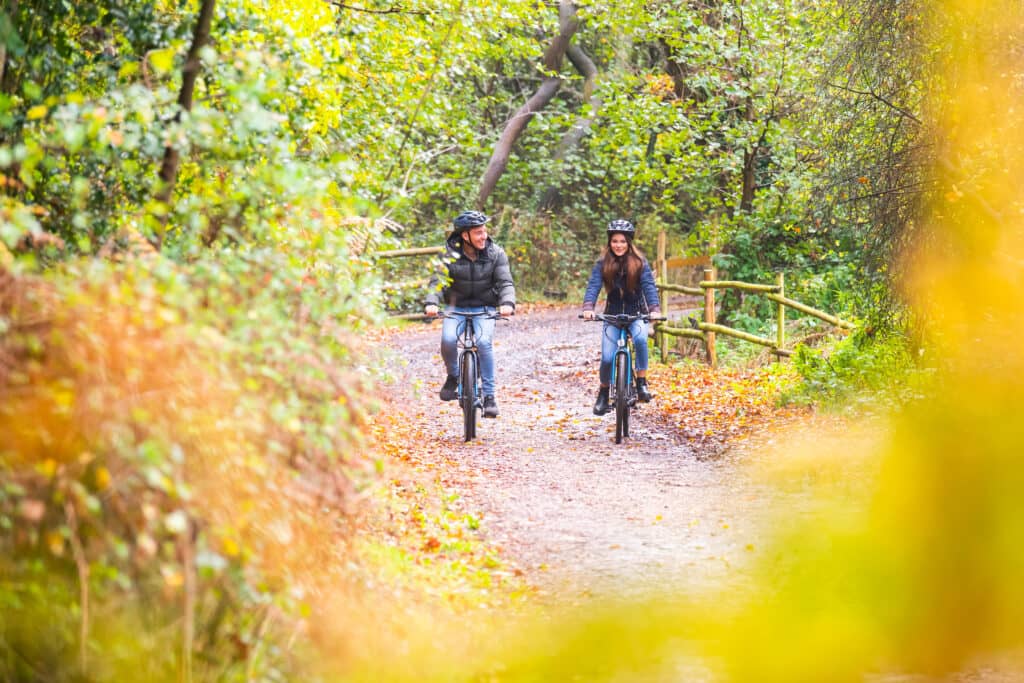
(470, 382)
(623, 388)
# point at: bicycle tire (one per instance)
(621, 397)
(468, 381)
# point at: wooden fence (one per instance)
(418, 283)
(707, 329)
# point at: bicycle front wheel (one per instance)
(621, 396)
(468, 399)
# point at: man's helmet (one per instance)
(623, 226)
(469, 219)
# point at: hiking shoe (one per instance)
(450, 390)
(601, 406)
(490, 407)
(642, 392)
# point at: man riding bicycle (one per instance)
(481, 280)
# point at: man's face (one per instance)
(476, 236)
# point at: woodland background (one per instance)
(189, 306)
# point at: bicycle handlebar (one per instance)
(621, 318)
(482, 314)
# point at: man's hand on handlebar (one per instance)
(432, 311)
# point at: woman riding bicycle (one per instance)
(629, 283)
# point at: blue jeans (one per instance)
(610, 344)
(484, 328)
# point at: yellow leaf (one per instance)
(128, 69)
(162, 60)
(48, 467)
(55, 542)
(230, 547)
(37, 112)
(102, 478)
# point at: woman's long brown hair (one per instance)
(631, 264)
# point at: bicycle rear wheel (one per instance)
(468, 399)
(621, 397)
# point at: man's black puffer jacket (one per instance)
(487, 281)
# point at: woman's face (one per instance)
(618, 244)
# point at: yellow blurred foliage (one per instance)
(922, 571)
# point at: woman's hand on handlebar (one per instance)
(588, 315)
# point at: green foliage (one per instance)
(548, 256)
(863, 372)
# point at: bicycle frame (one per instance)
(466, 342)
(625, 346)
(470, 381)
(622, 394)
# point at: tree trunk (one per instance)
(7, 85)
(749, 179)
(574, 136)
(172, 157)
(515, 126)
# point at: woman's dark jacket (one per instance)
(487, 281)
(644, 300)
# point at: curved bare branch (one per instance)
(514, 127)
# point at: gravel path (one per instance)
(577, 513)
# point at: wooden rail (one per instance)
(407, 284)
(734, 284)
(804, 308)
(397, 253)
(708, 328)
(695, 291)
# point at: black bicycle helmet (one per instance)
(623, 226)
(469, 219)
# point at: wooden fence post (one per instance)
(780, 314)
(709, 317)
(663, 276)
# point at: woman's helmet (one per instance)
(469, 219)
(623, 226)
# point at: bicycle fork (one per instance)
(624, 350)
(478, 399)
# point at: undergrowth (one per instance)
(862, 372)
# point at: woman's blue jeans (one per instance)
(484, 328)
(610, 344)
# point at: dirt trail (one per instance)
(577, 513)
